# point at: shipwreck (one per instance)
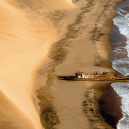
(105, 76)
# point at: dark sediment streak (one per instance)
(48, 116)
(109, 106)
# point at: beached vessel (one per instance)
(106, 76)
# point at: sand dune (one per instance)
(18, 56)
(11, 117)
(23, 44)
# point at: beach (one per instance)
(86, 50)
(109, 105)
(43, 39)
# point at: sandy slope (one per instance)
(46, 4)
(24, 42)
(11, 117)
(18, 56)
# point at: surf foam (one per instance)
(120, 58)
(122, 46)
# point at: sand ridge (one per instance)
(15, 36)
(22, 48)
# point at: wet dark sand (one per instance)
(109, 106)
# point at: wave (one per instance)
(122, 89)
(119, 38)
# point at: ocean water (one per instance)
(119, 38)
(122, 89)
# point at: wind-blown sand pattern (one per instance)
(42, 39)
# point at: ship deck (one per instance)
(74, 78)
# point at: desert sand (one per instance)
(41, 39)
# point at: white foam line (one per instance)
(122, 89)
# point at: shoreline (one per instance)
(93, 42)
(109, 106)
(102, 105)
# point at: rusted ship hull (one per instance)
(74, 78)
